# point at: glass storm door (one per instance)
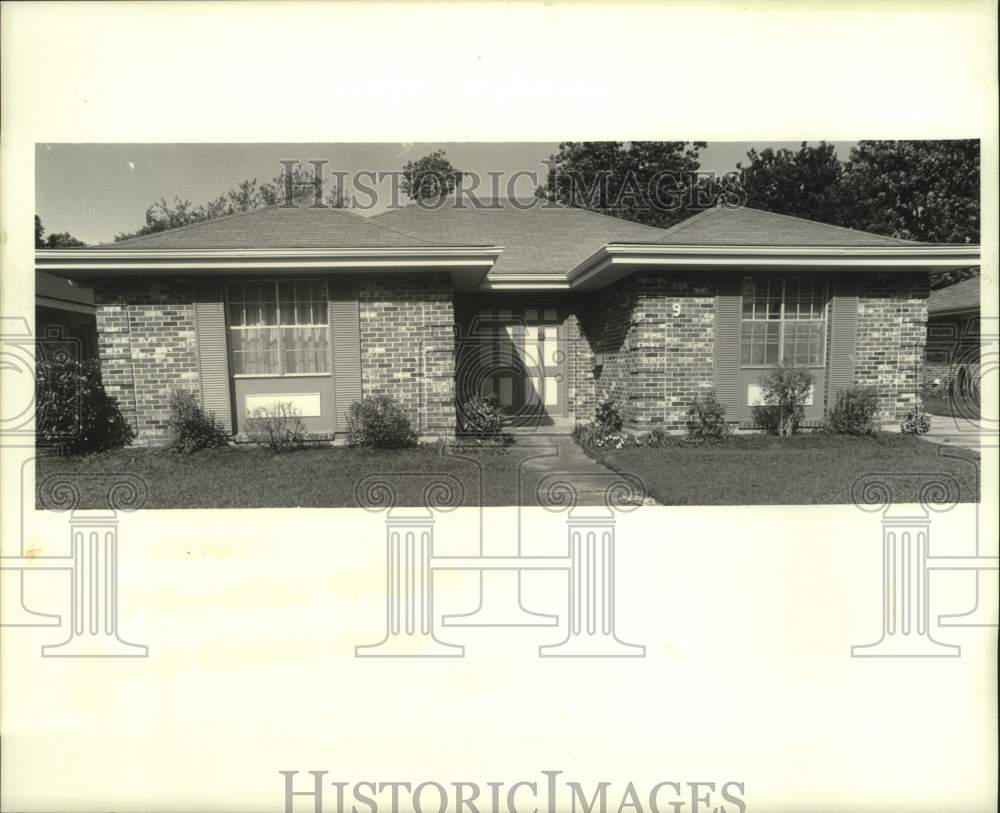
(527, 360)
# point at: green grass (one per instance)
(805, 469)
(247, 477)
(745, 470)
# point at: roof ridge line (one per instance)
(690, 221)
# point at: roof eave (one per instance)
(85, 263)
(616, 260)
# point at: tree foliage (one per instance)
(807, 182)
(915, 190)
(912, 190)
(650, 182)
(60, 240)
(248, 194)
(430, 178)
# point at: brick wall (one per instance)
(611, 332)
(147, 348)
(655, 363)
(408, 346)
(581, 390)
(674, 353)
(891, 334)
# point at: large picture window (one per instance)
(784, 321)
(278, 327)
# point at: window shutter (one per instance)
(345, 347)
(843, 334)
(213, 355)
(728, 314)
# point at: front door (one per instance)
(524, 360)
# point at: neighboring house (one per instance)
(65, 311)
(551, 308)
(953, 328)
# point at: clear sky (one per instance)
(94, 191)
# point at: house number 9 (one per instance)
(677, 308)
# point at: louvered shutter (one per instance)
(843, 334)
(213, 355)
(728, 314)
(345, 347)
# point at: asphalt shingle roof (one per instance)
(962, 295)
(539, 239)
(536, 238)
(753, 227)
(280, 227)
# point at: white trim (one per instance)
(306, 404)
(607, 264)
(101, 262)
(282, 375)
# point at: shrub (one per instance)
(278, 429)
(378, 422)
(916, 421)
(854, 411)
(190, 427)
(73, 411)
(482, 416)
(608, 417)
(706, 419)
(605, 430)
(784, 390)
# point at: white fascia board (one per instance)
(101, 262)
(803, 257)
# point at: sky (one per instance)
(95, 191)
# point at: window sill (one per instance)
(820, 366)
(281, 375)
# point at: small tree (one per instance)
(430, 178)
(785, 391)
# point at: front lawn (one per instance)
(802, 470)
(246, 477)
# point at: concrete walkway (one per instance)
(560, 461)
(954, 431)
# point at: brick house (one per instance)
(952, 356)
(551, 308)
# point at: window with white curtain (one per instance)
(784, 321)
(278, 327)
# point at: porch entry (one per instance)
(521, 356)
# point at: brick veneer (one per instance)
(408, 346)
(655, 363)
(147, 347)
(581, 391)
(891, 334)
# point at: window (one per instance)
(784, 321)
(278, 327)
